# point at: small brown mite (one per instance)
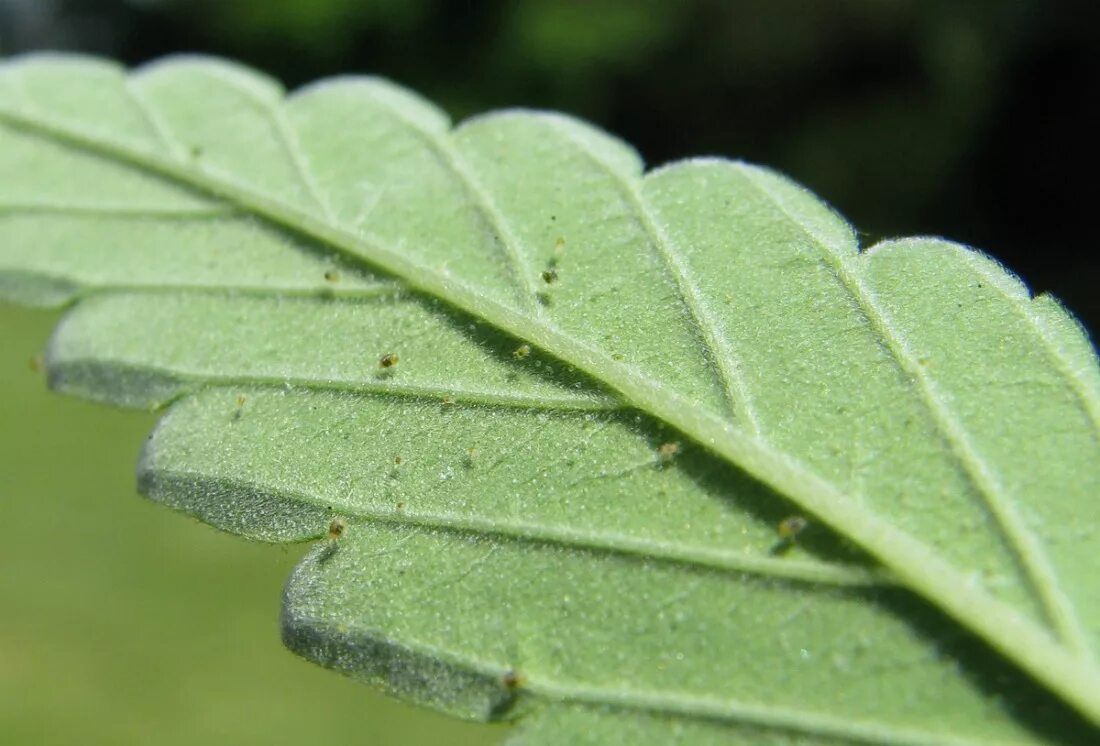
(400, 506)
(332, 275)
(549, 275)
(397, 460)
(668, 451)
(513, 679)
(389, 360)
(448, 401)
(336, 529)
(521, 352)
(789, 528)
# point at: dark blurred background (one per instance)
(971, 119)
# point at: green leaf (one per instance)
(610, 388)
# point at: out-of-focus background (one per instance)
(122, 623)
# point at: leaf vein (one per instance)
(153, 120)
(1088, 397)
(192, 383)
(913, 561)
(807, 571)
(276, 118)
(507, 241)
(695, 706)
(198, 212)
(1018, 536)
(726, 362)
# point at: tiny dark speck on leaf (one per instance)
(513, 679)
(549, 275)
(332, 275)
(388, 360)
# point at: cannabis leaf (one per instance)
(552, 410)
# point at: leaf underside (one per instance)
(610, 387)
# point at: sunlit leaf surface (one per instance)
(633, 458)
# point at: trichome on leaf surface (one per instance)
(629, 457)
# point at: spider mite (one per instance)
(336, 529)
(789, 528)
(513, 679)
(668, 451)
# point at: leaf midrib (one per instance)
(912, 561)
(1021, 541)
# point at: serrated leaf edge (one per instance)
(1073, 677)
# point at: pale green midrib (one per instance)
(444, 396)
(726, 363)
(119, 211)
(1088, 398)
(453, 162)
(1019, 538)
(688, 706)
(1016, 637)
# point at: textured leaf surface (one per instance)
(610, 389)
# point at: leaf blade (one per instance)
(918, 563)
